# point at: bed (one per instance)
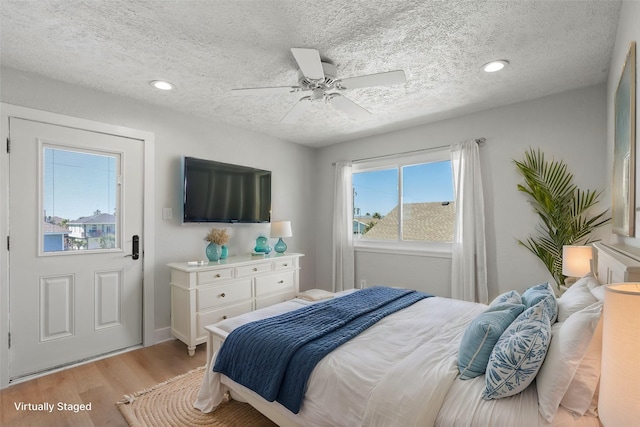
(404, 370)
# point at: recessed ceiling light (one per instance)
(494, 66)
(162, 85)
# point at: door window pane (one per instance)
(80, 197)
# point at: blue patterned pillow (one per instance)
(541, 292)
(518, 354)
(511, 297)
(480, 337)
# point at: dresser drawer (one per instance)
(213, 276)
(253, 269)
(283, 264)
(215, 316)
(228, 293)
(274, 283)
(274, 299)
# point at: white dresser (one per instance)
(207, 294)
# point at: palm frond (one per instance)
(563, 209)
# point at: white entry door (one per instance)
(76, 244)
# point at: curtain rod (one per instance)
(480, 141)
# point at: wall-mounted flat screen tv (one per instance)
(222, 192)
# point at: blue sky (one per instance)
(377, 191)
(77, 184)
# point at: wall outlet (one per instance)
(363, 283)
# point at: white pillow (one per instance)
(598, 293)
(577, 297)
(581, 396)
(569, 344)
(315, 295)
(592, 281)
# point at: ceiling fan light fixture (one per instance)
(162, 85)
(493, 66)
(318, 78)
(317, 94)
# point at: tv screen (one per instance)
(222, 192)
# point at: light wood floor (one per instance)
(101, 383)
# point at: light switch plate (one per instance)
(167, 213)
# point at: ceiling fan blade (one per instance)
(352, 109)
(297, 111)
(309, 62)
(265, 90)
(379, 79)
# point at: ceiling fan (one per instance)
(319, 78)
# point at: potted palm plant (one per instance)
(564, 210)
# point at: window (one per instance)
(406, 201)
(79, 200)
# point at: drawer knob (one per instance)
(224, 317)
(217, 275)
(255, 268)
(285, 265)
(222, 295)
(281, 281)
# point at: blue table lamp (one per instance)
(281, 229)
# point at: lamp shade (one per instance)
(576, 260)
(281, 229)
(619, 399)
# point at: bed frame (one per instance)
(616, 264)
(216, 337)
(612, 264)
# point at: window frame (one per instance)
(399, 246)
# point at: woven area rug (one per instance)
(171, 404)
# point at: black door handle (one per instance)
(135, 248)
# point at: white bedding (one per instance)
(465, 407)
(406, 375)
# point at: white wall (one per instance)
(570, 126)
(178, 135)
(628, 30)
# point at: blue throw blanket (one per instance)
(275, 356)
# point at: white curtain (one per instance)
(343, 262)
(469, 257)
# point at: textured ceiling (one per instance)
(207, 48)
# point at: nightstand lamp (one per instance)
(619, 399)
(281, 229)
(576, 262)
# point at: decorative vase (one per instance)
(224, 253)
(281, 246)
(213, 251)
(262, 245)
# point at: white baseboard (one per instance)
(163, 334)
